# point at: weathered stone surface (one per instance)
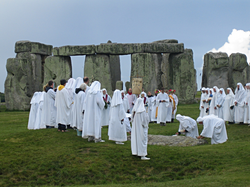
(119, 85)
(166, 41)
(148, 67)
(33, 47)
(163, 48)
(237, 63)
(73, 50)
(215, 70)
(181, 141)
(115, 70)
(246, 74)
(166, 71)
(183, 76)
(57, 68)
(97, 68)
(24, 77)
(127, 85)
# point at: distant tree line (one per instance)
(2, 97)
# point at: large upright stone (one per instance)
(57, 68)
(97, 68)
(119, 85)
(33, 47)
(24, 77)
(115, 70)
(215, 70)
(166, 71)
(183, 76)
(237, 63)
(148, 67)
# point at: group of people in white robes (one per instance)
(230, 107)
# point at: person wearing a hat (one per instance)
(63, 103)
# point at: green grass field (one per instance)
(50, 158)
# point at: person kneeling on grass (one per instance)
(214, 128)
(139, 133)
(187, 126)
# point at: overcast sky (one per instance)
(201, 25)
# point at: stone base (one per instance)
(181, 141)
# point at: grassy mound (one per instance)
(48, 157)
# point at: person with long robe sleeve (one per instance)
(220, 102)
(63, 103)
(213, 104)
(126, 109)
(33, 110)
(49, 109)
(239, 102)
(154, 107)
(246, 106)
(117, 130)
(203, 102)
(131, 98)
(70, 86)
(40, 123)
(228, 108)
(106, 110)
(162, 101)
(170, 94)
(214, 128)
(170, 107)
(78, 112)
(176, 102)
(139, 134)
(93, 106)
(188, 126)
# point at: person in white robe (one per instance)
(150, 102)
(126, 109)
(228, 108)
(213, 104)
(33, 110)
(49, 109)
(39, 124)
(170, 107)
(176, 102)
(139, 134)
(117, 129)
(162, 102)
(143, 95)
(246, 106)
(188, 126)
(220, 102)
(214, 128)
(106, 110)
(70, 86)
(239, 103)
(131, 99)
(77, 89)
(154, 108)
(78, 111)
(203, 102)
(93, 106)
(63, 103)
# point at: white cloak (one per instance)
(189, 124)
(176, 104)
(33, 109)
(63, 103)
(105, 113)
(246, 108)
(153, 109)
(162, 107)
(38, 122)
(240, 96)
(78, 110)
(228, 113)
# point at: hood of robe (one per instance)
(70, 83)
(35, 98)
(139, 106)
(221, 96)
(95, 87)
(78, 82)
(231, 94)
(116, 99)
(41, 97)
(180, 118)
(239, 93)
(217, 89)
(106, 92)
(145, 95)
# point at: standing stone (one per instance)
(237, 63)
(24, 77)
(115, 70)
(119, 85)
(166, 72)
(148, 67)
(57, 68)
(215, 70)
(183, 76)
(97, 68)
(127, 85)
(246, 74)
